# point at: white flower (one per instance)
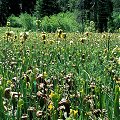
(71, 42)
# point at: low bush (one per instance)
(66, 21)
(15, 21)
(25, 21)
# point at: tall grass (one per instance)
(76, 77)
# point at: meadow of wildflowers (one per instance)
(59, 76)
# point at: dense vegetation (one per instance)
(59, 60)
(51, 76)
(104, 13)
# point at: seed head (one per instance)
(43, 36)
(63, 35)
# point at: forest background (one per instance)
(70, 15)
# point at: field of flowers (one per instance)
(59, 76)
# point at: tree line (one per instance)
(9, 7)
(98, 11)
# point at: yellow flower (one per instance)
(73, 112)
(118, 82)
(51, 94)
(50, 106)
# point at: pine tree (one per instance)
(38, 8)
(4, 11)
(63, 5)
(105, 8)
(46, 8)
(97, 10)
(14, 7)
(28, 6)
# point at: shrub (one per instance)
(27, 21)
(24, 20)
(15, 21)
(66, 21)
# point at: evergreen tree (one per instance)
(28, 6)
(4, 11)
(9, 7)
(63, 5)
(38, 9)
(14, 7)
(105, 8)
(116, 5)
(97, 10)
(47, 8)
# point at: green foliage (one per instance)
(15, 21)
(2, 114)
(38, 8)
(46, 8)
(76, 75)
(66, 21)
(116, 20)
(73, 4)
(91, 10)
(64, 5)
(116, 4)
(27, 21)
(24, 20)
(116, 103)
(89, 26)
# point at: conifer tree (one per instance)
(4, 11)
(47, 7)
(28, 6)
